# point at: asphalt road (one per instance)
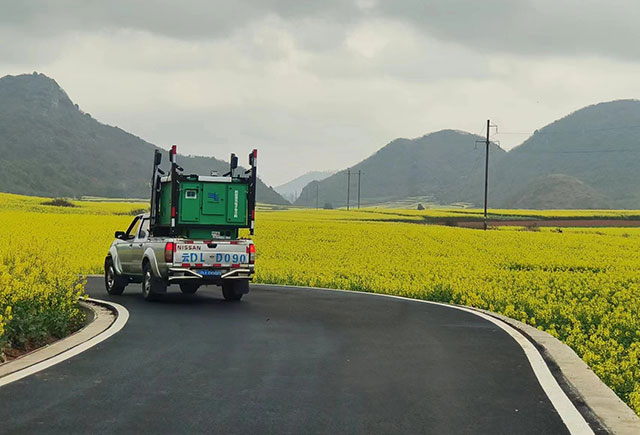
(286, 361)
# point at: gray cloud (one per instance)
(571, 27)
(184, 19)
(567, 27)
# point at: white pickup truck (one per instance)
(156, 262)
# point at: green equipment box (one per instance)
(203, 207)
(214, 204)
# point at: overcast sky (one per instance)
(319, 85)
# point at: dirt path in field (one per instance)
(552, 223)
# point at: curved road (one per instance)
(286, 360)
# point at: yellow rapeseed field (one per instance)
(42, 252)
(581, 285)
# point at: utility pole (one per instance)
(317, 190)
(486, 175)
(348, 186)
(486, 170)
(487, 141)
(359, 188)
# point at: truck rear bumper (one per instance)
(177, 274)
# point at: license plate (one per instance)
(209, 272)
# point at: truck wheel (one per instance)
(233, 290)
(113, 282)
(189, 288)
(151, 285)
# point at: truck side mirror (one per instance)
(234, 161)
(157, 158)
(120, 235)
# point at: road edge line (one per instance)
(121, 318)
(571, 417)
(606, 407)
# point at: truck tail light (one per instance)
(251, 250)
(169, 249)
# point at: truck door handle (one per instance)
(140, 244)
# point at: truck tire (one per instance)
(152, 286)
(113, 282)
(189, 288)
(233, 290)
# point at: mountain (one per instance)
(446, 165)
(291, 190)
(50, 147)
(598, 145)
(588, 159)
(558, 191)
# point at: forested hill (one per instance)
(446, 165)
(50, 147)
(598, 147)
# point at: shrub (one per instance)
(450, 222)
(138, 211)
(59, 202)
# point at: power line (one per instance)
(581, 151)
(621, 127)
(482, 130)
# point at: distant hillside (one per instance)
(558, 191)
(588, 159)
(50, 147)
(291, 190)
(445, 165)
(598, 145)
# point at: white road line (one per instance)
(568, 412)
(121, 320)
(575, 422)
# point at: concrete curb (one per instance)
(615, 416)
(107, 320)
